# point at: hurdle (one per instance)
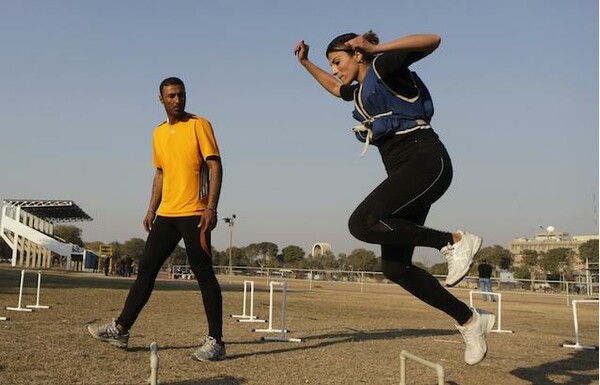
(248, 317)
(499, 316)
(577, 345)
(19, 307)
(4, 318)
(37, 301)
(283, 331)
(153, 380)
(439, 369)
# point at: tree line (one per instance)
(267, 254)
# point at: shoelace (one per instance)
(210, 346)
(112, 331)
(448, 251)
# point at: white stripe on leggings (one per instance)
(424, 191)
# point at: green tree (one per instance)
(496, 256)
(420, 265)
(268, 250)
(220, 258)
(325, 261)
(589, 250)
(531, 259)
(177, 257)
(133, 247)
(252, 252)
(556, 259)
(93, 246)
(328, 261)
(238, 257)
(362, 260)
(342, 261)
(522, 272)
(439, 269)
(116, 249)
(263, 250)
(531, 262)
(71, 234)
(292, 254)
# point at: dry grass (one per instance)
(348, 337)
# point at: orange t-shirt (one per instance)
(179, 150)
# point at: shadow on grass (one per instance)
(321, 340)
(565, 372)
(221, 380)
(147, 349)
(352, 335)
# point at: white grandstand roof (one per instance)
(51, 210)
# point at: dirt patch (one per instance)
(348, 337)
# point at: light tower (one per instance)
(230, 221)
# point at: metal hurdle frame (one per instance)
(283, 331)
(577, 345)
(499, 316)
(248, 317)
(19, 307)
(439, 369)
(37, 301)
(153, 380)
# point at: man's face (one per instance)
(173, 98)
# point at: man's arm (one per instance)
(209, 216)
(155, 199)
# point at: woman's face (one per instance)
(344, 65)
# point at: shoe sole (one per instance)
(478, 244)
(107, 340)
(196, 358)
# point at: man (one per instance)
(183, 204)
(485, 279)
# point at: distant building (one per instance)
(320, 248)
(546, 240)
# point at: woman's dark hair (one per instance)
(339, 43)
(172, 81)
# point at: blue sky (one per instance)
(515, 87)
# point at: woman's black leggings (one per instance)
(164, 236)
(419, 172)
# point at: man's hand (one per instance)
(208, 221)
(148, 219)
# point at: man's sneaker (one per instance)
(460, 257)
(210, 351)
(109, 333)
(475, 334)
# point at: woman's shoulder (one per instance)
(347, 91)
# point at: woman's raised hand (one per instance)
(301, 50)
(361, 44)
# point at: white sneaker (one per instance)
(474, 335)
(109, 333)
(460, 257)
(211, 350)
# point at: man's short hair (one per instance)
(172, 81)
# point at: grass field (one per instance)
(348, 337)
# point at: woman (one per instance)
(395, 110)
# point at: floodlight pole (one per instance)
(230, 221)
